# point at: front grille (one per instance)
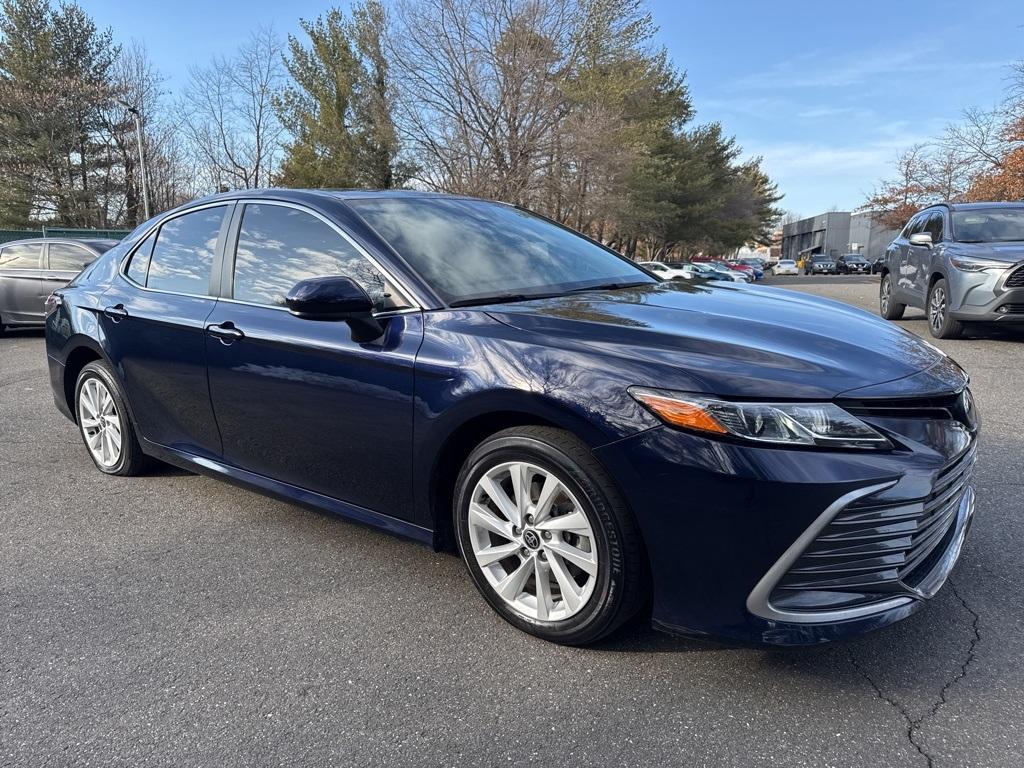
(1012, 309)
(957, 406)
(874, 550)
(1016, 279)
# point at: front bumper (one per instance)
(1006, 306)
(723, 522)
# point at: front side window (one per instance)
(916, 224)
(279, 246)
(22, 256)
(69, 257)
(473, 249)
(182, 260)
(934, 226)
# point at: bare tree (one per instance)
(480, 80)
(227, 115)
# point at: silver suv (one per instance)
(960, 262)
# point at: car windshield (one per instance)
(102, 246)
(994, 225)
(473, 250)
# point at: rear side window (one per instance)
(182, 259)
(278, 246)
(25, 256)
(69, 257)
(138, 267)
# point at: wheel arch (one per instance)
(84, 350)
(472, 423)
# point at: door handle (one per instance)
(225, 331)
(117, 313)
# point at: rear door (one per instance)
(154, 322)
(20, 283)
(298, 400)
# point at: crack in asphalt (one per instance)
(914, 724)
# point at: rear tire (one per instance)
(941, 324)
(888, 307)
(105, 424)
(577, 535)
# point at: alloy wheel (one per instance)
(100, 422)
(533, 541)
(886, 295)
(937, 309)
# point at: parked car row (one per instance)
(704, 270)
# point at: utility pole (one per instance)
(142, 156)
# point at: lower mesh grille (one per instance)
(871, 551)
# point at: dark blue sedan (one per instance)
(735, 461)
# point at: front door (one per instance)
(298, 400)
(20, 283)
(921, 255)
(154, 320)
(907, 270)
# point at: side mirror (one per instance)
(921, 238)
(336, 298)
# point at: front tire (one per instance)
(547, 538)
(888, 307)
(104, 423)
(941, 324)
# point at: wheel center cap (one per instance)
(531, 539)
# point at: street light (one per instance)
(142, 157)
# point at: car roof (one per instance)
(299, 195)
(79, 240)
(977, 205)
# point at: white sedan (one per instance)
(663, 271)
(785, 267)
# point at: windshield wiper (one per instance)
(606, 287)
(499, 298)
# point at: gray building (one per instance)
(835, 233)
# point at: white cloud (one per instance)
(818, 70)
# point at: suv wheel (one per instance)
(887, 306)
(547, 538)
(941, 324)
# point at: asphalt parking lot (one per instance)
(174, 620)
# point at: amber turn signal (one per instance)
(681, 414)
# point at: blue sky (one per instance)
(828, 93)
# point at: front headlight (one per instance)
(971, 264)
(824, 425)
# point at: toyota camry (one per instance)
(596, 444)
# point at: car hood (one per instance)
(735, 340)
(1008, 252)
